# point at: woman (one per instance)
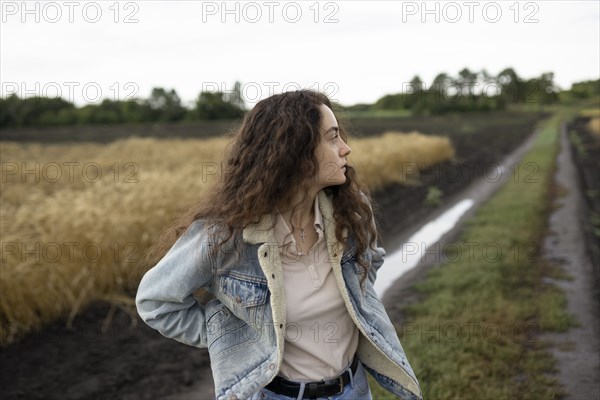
(286, 245)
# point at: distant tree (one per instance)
(542, 90)
(548, 87)
(416, 83)
(358, 107)
(61, 117)
(585, 89)
(440, 97)
(134, 110)
(165, 105)
(490, 91)
(485, 76)
(396, 101)
(512, 86)
(440, 81)
(468, 80)
(415, 99)
(235, 97)
(440, 87)
(212, 105)
(107, 112)
(9, 111)
(31, 111)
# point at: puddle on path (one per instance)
(409, 255)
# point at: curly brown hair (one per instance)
(272, 151)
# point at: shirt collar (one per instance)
(318, 217)
(283, 233)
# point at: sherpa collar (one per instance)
(262, 232)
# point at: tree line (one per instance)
(468, 91)
(162, 106)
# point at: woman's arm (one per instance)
(165, 299)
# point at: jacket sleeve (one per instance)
(377, 255)
(165, 299)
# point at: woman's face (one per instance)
(331, 152)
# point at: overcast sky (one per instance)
(356, 51)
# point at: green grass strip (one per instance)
(475, 334)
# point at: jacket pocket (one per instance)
(237, 321)
(245, 296)
(243, 290)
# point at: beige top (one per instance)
(321, 338)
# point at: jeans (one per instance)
(358, 389)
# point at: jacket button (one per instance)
(234, 397)
(238, 299)
(272, 366)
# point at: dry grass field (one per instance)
(77, 218)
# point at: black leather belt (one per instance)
(313, 390)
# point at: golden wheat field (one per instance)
(77, 218)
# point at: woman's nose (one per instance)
(345, 150)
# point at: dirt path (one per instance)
(577, 350)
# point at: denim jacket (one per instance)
(244, 325)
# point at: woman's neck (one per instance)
(303, 209)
